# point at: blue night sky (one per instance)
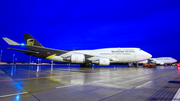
(152, 25)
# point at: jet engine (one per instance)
(77, 58)
(161, 63)
(102, 61)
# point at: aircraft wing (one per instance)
(24, 51)
(55, 50)
(65, 53)
(44, 49)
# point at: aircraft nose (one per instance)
(143, 56)
(148, 56)
(175, 60)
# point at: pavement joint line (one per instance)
(152, 80)
(107, 80)
(98, 80)
(13, 94)
(116, 94)
(66, 86)
(161, 76)
(132, 80)
(117, 78)
(143, 84)
(139, 85)
(47, 77)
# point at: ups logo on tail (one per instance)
(30, 42)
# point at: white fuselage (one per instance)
(161, 60)
(116, 55)
(103, 56)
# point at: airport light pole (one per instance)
(38, 61)
(30, 60)
(1, 56)
(51, 66)
(16, 60)
(51, 62)
(13, 58)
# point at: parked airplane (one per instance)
(160, 60)
(85, 58)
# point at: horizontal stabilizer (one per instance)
(39, 48)
(24, 51)
(53, 50)
(10, 42)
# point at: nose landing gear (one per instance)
(137, 65)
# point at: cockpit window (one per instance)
(140, 49)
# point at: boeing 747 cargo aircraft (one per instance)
(85, 58)
(160, 60)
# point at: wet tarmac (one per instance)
(71, 83)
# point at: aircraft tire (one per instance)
(86, 65)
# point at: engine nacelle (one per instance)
(161, 63)
(77, 58)
(102, 61)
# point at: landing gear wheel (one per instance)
(86, 65)
(83, 65)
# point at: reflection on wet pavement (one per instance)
(39, 82)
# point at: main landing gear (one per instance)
(137, 65)
(86, 65)
(131, 64)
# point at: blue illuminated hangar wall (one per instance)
(153, 26)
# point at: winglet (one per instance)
(10, 42)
